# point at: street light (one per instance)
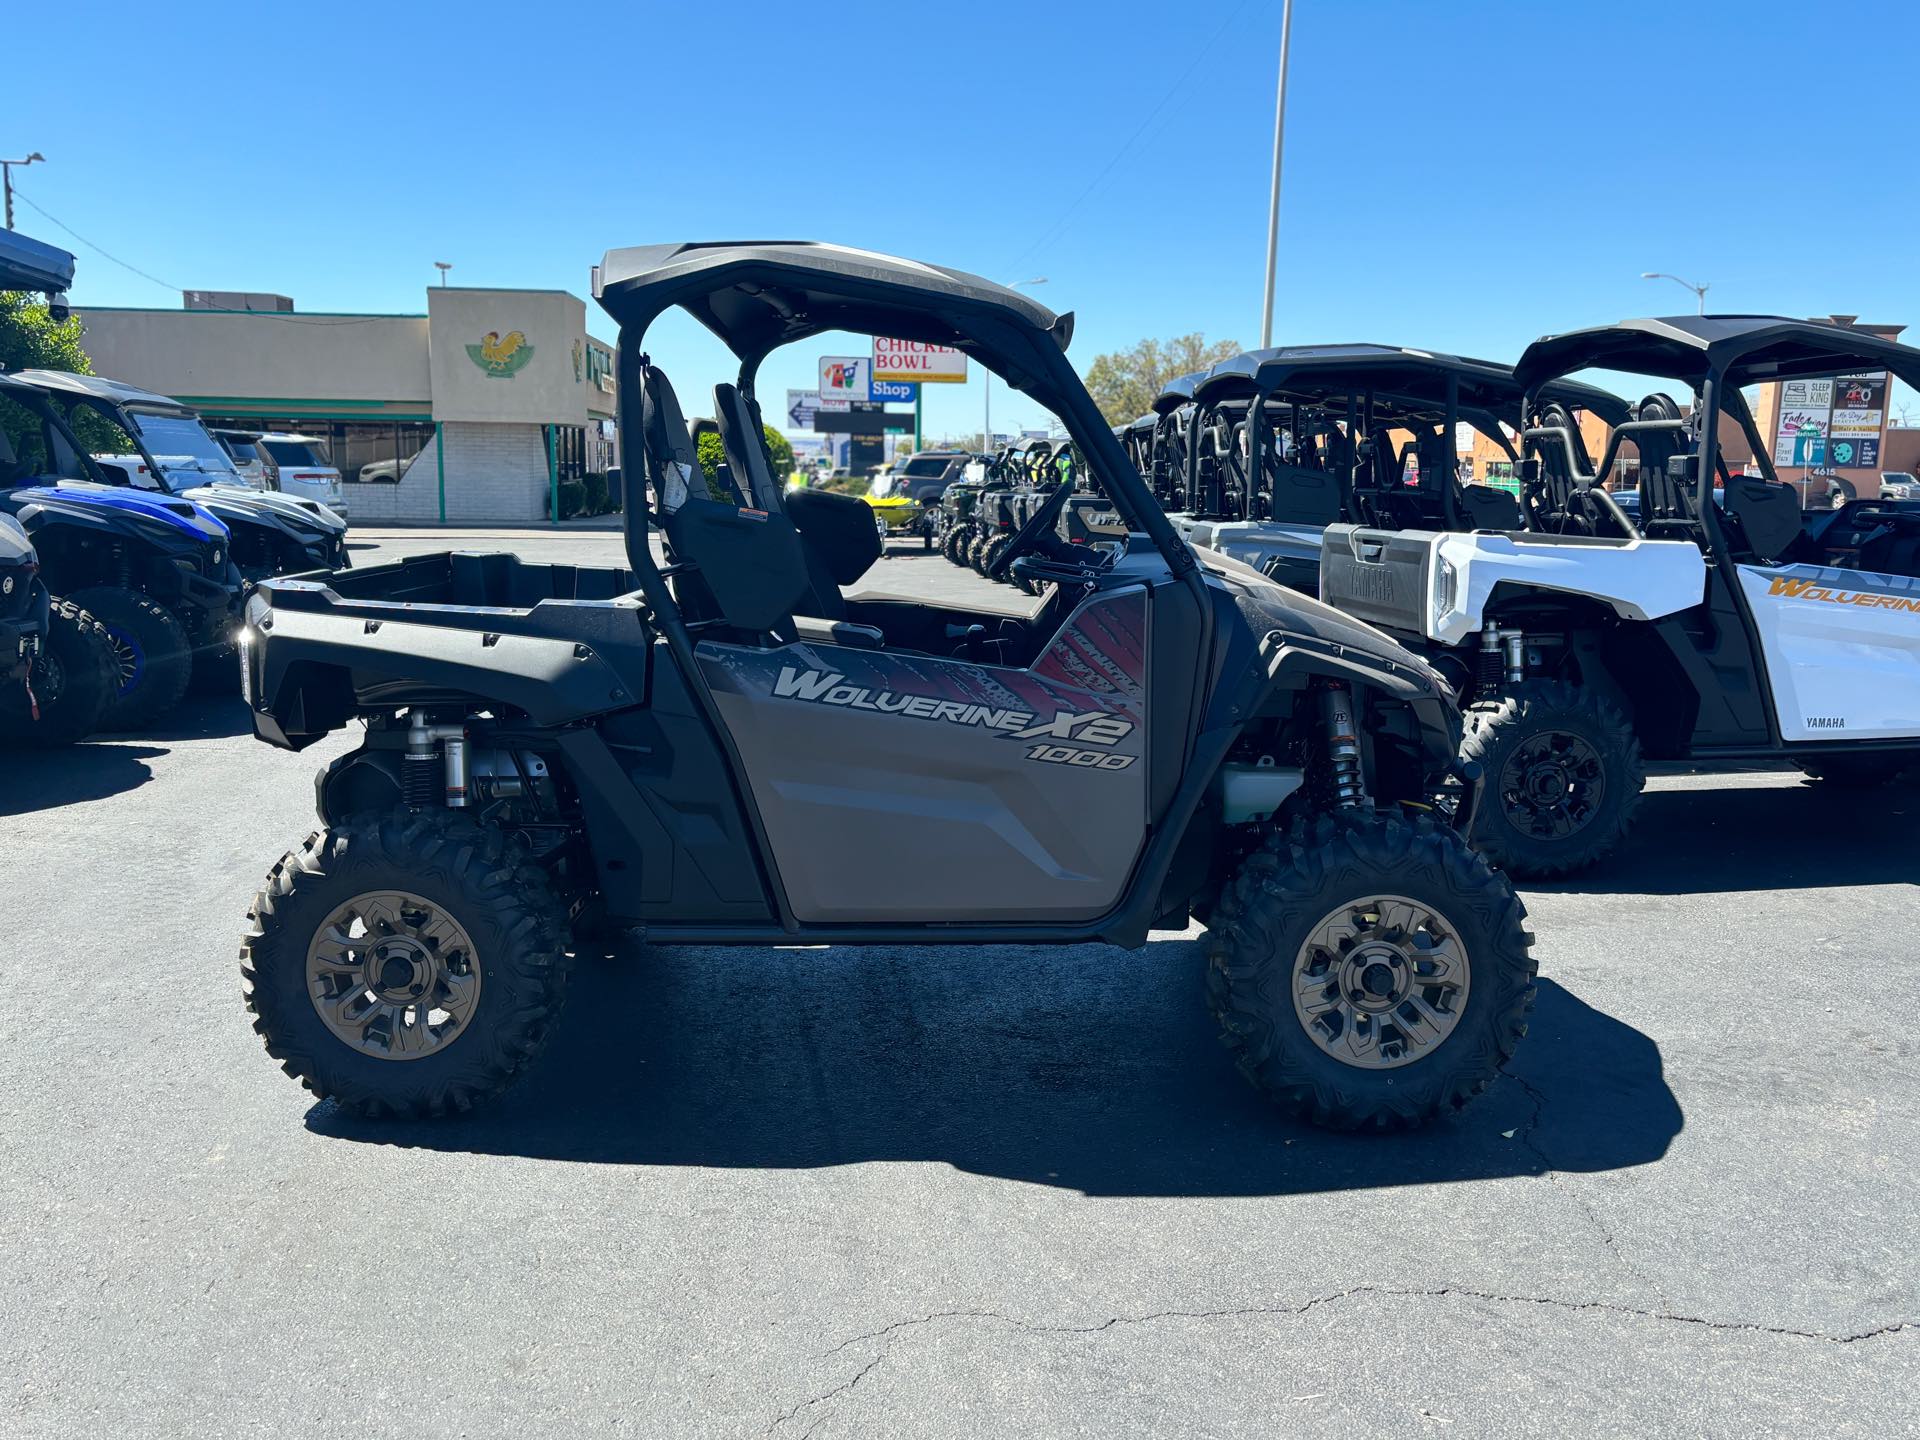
(1273, 203)
(443, 266)
(986, 420)
(1699, 291)
(6, 179)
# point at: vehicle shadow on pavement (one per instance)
(33, 780)
(1089, 1068)
(1769, 837)
(207, 717)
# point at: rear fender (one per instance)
(308, 673)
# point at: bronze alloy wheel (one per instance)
(1380, 983)
(393, 976)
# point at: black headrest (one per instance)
(670, 459)
(746, 446)
(1658, 407)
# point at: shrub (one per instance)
(596, 483)
(573, 495)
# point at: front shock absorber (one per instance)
(1344, 761)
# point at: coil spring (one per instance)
(1489, 668)
(1343, 747)
(421, 780)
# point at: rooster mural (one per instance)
(501, 357)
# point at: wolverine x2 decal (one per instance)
(1093, 727)
(1080, 703)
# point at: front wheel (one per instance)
(152, 653)
(1563, 775)
(1369, 972)
(71, 681)
(406, 964)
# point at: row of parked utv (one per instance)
(122, 568)
(1656, 604)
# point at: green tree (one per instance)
(1125, 383)
(31, 339)
(781, 453)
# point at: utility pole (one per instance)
(1699, 291)
(6, 179)
(1273, 205)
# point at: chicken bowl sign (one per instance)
(911, 360)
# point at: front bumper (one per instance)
(21, 635)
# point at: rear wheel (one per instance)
(1369, 972)
(152, 655)
(1859, 772)
(72, 680)
(406, 964)
(1562, 775)
(990, 556)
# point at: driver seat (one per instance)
(733, 565)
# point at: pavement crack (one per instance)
(1551, 1174)
(887, 1335)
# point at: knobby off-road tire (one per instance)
(1861, 772)
(507, 933)
(152, 652)
(990, 556)
(73, 679)
(1334, 899)
(977, 554)
(1562, 776)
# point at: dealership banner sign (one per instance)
(911, 360)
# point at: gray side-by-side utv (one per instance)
(723, 748)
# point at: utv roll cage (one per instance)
(756, 296)
(1680, 454)
(1351, 396)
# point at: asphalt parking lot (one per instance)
(955, 1192)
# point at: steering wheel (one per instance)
(1042, 522)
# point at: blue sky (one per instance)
(1458, 176)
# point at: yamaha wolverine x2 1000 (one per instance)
(723, 748)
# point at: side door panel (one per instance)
(1842, 649)
(897, 787)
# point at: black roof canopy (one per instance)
(1178, 392)
(98, 387)
(1744, 349)
(758, 295)
(1405, 382)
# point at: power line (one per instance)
(20, 195)
(1054, 231)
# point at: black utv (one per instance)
(721, 748)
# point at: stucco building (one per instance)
(473, 410)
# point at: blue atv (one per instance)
(154, 570)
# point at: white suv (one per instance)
(243, 448)
(298, 465)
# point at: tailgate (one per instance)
(1381, 576)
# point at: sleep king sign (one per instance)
(910, 360)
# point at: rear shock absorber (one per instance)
(1503, 656)
(428, 774)
(1343, 746)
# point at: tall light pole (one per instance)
(1699, 291)
(6, 179)
(443, 266)
(986, 420)
(1273, 204)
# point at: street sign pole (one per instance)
(917, 445)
